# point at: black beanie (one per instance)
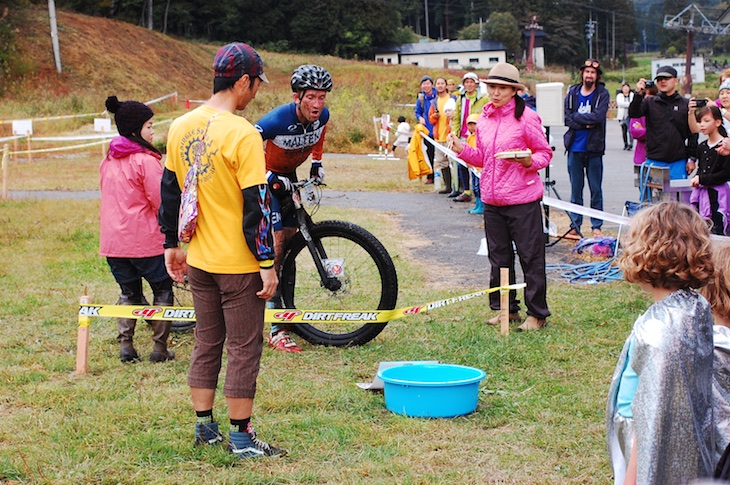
(129, 116)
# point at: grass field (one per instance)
(540, 417)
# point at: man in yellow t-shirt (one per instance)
(229, 262)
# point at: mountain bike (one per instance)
(334, 266)
(328, 266)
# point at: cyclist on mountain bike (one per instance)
(291, 133)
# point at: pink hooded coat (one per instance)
(130, 196)
(505, 182)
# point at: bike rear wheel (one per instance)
(368, 282)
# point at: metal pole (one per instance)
(54, 34)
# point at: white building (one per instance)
(454, 54)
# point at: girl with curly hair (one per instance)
(659, 414)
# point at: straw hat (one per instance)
(506, 74)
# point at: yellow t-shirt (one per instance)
(233, 159)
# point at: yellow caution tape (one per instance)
(281, 315)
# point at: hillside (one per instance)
(101, 57)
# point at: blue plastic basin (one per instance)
(431, 390)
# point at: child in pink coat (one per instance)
(130, 177)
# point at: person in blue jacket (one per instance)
(426, 97)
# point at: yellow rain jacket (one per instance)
(417, 164)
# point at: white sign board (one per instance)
(549, 103)
(680, 64)
(22, 127)
(102, 125)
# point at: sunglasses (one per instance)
(590, 63)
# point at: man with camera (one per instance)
(669, 140)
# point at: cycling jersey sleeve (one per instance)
(257, 226)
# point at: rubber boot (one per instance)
(457, 189)
(478, 207)
(161, 329)
(446, 172)
(126, 326)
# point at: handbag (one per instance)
(187, 219)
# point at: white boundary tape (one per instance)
(86, 115)
(550, 201)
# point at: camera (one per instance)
(700, 103)
(649, 84)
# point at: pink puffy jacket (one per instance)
(506, 182)
(130, 178)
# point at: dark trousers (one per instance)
(522, 224)
(464, 178)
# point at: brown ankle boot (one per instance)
(513, 317)
(127, 353)
(161, 330)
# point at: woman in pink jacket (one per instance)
(130, 238)
(511, 190)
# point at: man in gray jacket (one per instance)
(585, 109)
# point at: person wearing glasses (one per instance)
(585, 109)
(669, 140)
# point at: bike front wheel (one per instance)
(366, 280)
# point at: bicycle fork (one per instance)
(317, 251)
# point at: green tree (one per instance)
(469, 32)
(566, 41)
(502, 27)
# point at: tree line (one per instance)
(356, 29)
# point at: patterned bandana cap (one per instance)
(725, 84)
(237, 59)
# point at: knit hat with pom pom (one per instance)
(129, 116)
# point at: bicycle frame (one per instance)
(304, 222)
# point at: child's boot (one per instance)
(161, 330)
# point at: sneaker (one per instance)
(532, 323)
(245, 444)
(263, 445)
(282, 341)
(513, 317)
(206, 434)
(463, 198)
(597, 233)
(240, 444)
(454, 193)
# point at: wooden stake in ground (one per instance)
(5, 171)
(504, 301)
(82, 343)
(30, 153)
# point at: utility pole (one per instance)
(590, 30)
(425, 7)
(691, 25)
(54, 34)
